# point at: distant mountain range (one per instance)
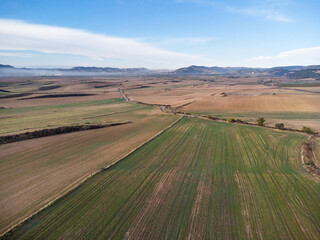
(295, 72)
(106, 70)
(7, 70)
(289, 71)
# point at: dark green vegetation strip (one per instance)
(54, 131)
(198, 180)
(59, 95)
(15, 95)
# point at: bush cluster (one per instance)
(230, 120)
(260, 121)
(306, 129)
(279, 126)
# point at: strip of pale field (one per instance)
(35, 171)
(198, 180)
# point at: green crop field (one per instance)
(101, 111)
(198, 180)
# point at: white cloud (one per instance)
(268, 14)
(19, 35)
(301, 56)
(267, 9)
(181, 41)
(12, 54)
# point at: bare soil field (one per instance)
(266, 103)
(247, 99)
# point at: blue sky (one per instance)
(159, 33)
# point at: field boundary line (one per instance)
(77, 184)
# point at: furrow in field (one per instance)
(197, 229)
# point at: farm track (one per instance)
(124, 95)
(199, 179)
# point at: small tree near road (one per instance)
(260, 121)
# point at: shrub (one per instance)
(260, 121)
(230, 120)
(306, 129)
(279, 126)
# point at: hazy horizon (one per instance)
(168, 69)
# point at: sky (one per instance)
(159, 34)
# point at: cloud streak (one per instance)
(268, 14)
(301, 56)
(11, 54)
(19, 35)
(179, 41)
(268, 10)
